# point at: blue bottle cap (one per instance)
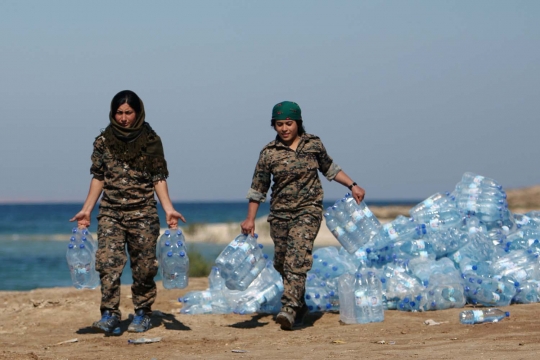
(70, 246)
(167, 232)
(81, 246)
(169, 254)
(182, 254)
(179, 232)
(72, 238)
(261, 246)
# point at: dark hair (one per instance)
(123, 97)
(299, 123)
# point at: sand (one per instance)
(42, 324)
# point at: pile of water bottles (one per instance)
(81, 259)
(455, 248)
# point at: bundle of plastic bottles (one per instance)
(241, 262)
(263, 295)
(81, 259)
(173, 259)
(458, 248)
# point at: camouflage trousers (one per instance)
(293, 246)
(138, 230)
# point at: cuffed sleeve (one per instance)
(256, 196)
(332, 171)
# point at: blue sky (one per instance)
(406, 95)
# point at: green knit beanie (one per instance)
(286, 110)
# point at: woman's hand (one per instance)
(82, 218)
(358, 193)
(248, 227)
(172, 218)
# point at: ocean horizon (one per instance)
(34, 238)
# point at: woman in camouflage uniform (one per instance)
(296, 204)
(128, 166)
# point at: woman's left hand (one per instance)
(172, 218)
(358, 193)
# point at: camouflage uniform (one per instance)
(127, 215)
(295, 206)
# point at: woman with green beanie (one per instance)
(291, 161)
(128, 166)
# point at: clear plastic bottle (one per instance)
(176, 270)
(81, 263)
(479, 316)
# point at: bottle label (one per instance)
(358, 215)
(361, 298)
(524, 220)
(251, 259)
(478, 316)
(338, 232)
(390, 231)
(428, 203)
(457, 257)
(244, 246)
(496, 297)
(361, 254)
(434, 224)
(368, 212)
(420, 244)
(234, 244)
(471, 205)
(350, 227)
(206, 295)
(374, 301)
(478, 179)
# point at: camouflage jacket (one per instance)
(296, 188)
(124, 188)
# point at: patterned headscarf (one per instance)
(139, 145)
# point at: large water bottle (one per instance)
(444, 292)
(163, 244)
(519, 265)
(361, 300)
(215, 281)
(474, 180)
(479, 316)
(433, 206)
(347, 308)
(375, 297)
(175, 270)
(81, 263)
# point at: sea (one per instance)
(34, 238)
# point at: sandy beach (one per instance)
(55, 324)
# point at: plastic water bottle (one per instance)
(347, 307)
(81, 264)
(375, 297)
(175, 270)
(479, 316)
(215, 281)
(361, 300)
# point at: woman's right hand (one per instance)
(82, 218)
(248, 227)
